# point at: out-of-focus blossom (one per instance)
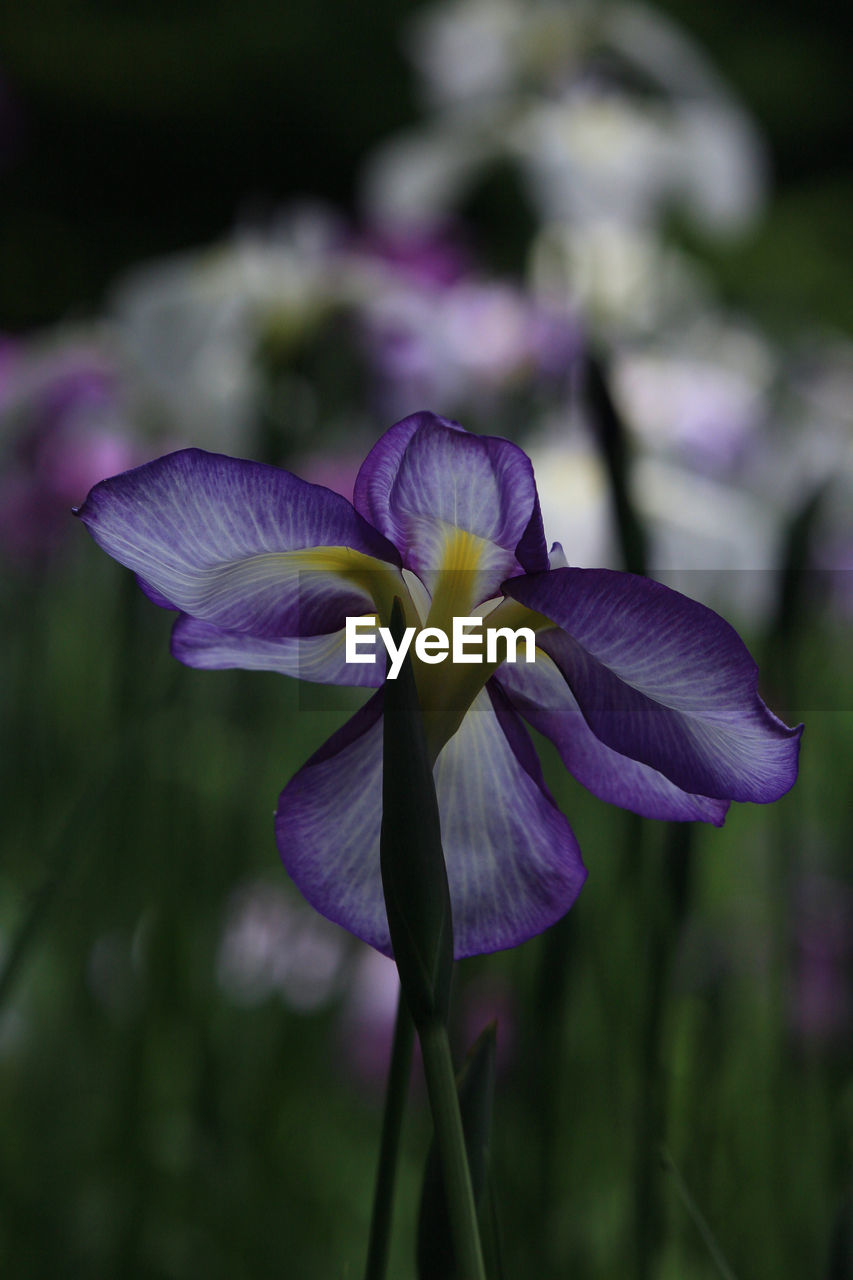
(273, 944)
(701, 397)
(467, 52)
(715, 540)
(63, 426)
(464, 347)
(192, 326)
(624, 280)
(216, 342)
(597, 155)
(437, 256)
(815, 419)
(573, 492)
(368, 1012)
(609, 111)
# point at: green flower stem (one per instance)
(450, 1140)
(389, 1147)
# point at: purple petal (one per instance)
(243, 545)
(541, 694)
(427, 479)
(327, 827)
(664, 680)
(320, 659)
(512, 861)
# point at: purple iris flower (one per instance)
(650, 698)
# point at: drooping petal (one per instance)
(327, 827)
(541, 694)
(245, 546)
(320, 659)
(453, 501)
(512, 861)
(663, 680)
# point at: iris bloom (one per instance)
(650, 698)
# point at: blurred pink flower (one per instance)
(366, 1026)
(273, 944)
(62, 428)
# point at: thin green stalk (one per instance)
(698, 1218)
(389, 1146)
(450, 1140)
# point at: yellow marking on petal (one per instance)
(378, 579)
(447, 691)
(456, 585)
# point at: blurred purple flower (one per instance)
(464, 346)
(62, 428)
(436, 256)
(702, 399)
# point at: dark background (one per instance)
(144, 129)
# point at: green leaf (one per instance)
(476, 1087)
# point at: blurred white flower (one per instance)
(466, 51)
(272, 944)
(609, 111)
(708, 538)
(191, 325)
(623, 280)
(573, 493)
(701, 396)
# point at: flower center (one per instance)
(446, 690)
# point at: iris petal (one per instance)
(512, 861)
(320, 659)
(428, 483)
(663, 680)
(543, 697)
(327, 827)
(245, 546)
